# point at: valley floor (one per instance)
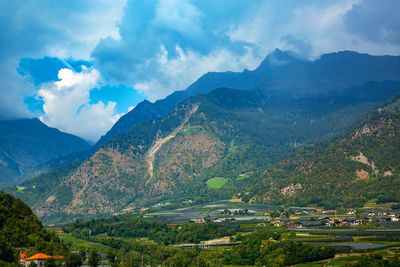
(280, 233)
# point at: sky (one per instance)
(79, 65)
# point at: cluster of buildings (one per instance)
(378, 217)
(216, 220)
(329, 218)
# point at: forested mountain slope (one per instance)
(27, 143)
(229, 135)
(347, 172)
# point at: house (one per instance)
(328, 211)
(299, 225)
(347, 221)
(200, 220)
(291, 225)
(294, 225)
(276, 224)
(22, 260)
(38, 259)
(366, 219)
(351, 211)
(391, 214)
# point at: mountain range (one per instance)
(26, 144)
(280, 73)
(222, 136)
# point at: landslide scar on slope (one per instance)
(151, 154)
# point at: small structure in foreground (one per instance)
(38, 259)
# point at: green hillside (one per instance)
(227, 134)
(347, 172)
(20, 228)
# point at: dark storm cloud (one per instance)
(375, 21)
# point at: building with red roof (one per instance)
(38, 259)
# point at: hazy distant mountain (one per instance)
(27, 143)
(229, 135)
(279, 73)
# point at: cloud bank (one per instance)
(67, 105)
(166, 45)
(34, 29)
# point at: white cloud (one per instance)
(172, 74)
(34, 29)
(178, 15)
(161, 46)
(67, 104)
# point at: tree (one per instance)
(93, 258)
(7, 252)
(50, 262)
(73, 260)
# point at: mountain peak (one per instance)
(278, 58)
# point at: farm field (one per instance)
(233, 223)
(216, 182)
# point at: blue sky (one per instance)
(80, 65)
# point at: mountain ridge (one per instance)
(273, 77)
(27, 143)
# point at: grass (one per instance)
(232, 147)
(216, 182)
(371, 204)
(194, 130)
(80, 243)
(20, 189)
